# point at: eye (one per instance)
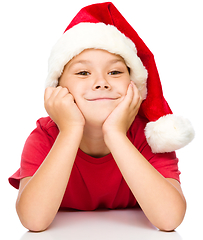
(114, 72)
(83, 73)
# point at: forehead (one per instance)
(90, 55)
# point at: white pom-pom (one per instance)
(169, 133)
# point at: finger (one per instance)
(139, 103)
(62, 92)
(48, 92)
(57, 93)
(137, 99)
(129, 95)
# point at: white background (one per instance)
(173, 32)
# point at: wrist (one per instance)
(71, 130)
(111, 137)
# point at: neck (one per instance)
(92, 142)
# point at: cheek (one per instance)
(123, 87)
(78, 93)
(72, 86)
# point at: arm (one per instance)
(40, 196)
(161, 199)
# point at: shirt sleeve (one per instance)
(165, 163)
(35, 150)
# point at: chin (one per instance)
(97, 118)
(96, 114)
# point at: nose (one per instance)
(101, 84)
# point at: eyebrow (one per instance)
(79, 62)
(89, 62)
(117, 60)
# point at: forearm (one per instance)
(160, 200)
(40, 199)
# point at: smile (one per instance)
(102, 99)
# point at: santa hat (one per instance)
(101, 26)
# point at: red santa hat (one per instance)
(101, 26)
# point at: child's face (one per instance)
(98, 80)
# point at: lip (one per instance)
(101, 98)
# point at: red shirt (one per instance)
(94, 182)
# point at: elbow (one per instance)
(168, 227)
(31, 221)
(170, 223)
(34, 226)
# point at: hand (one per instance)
(124, 114)
(60, 106)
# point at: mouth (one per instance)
(101, 99)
